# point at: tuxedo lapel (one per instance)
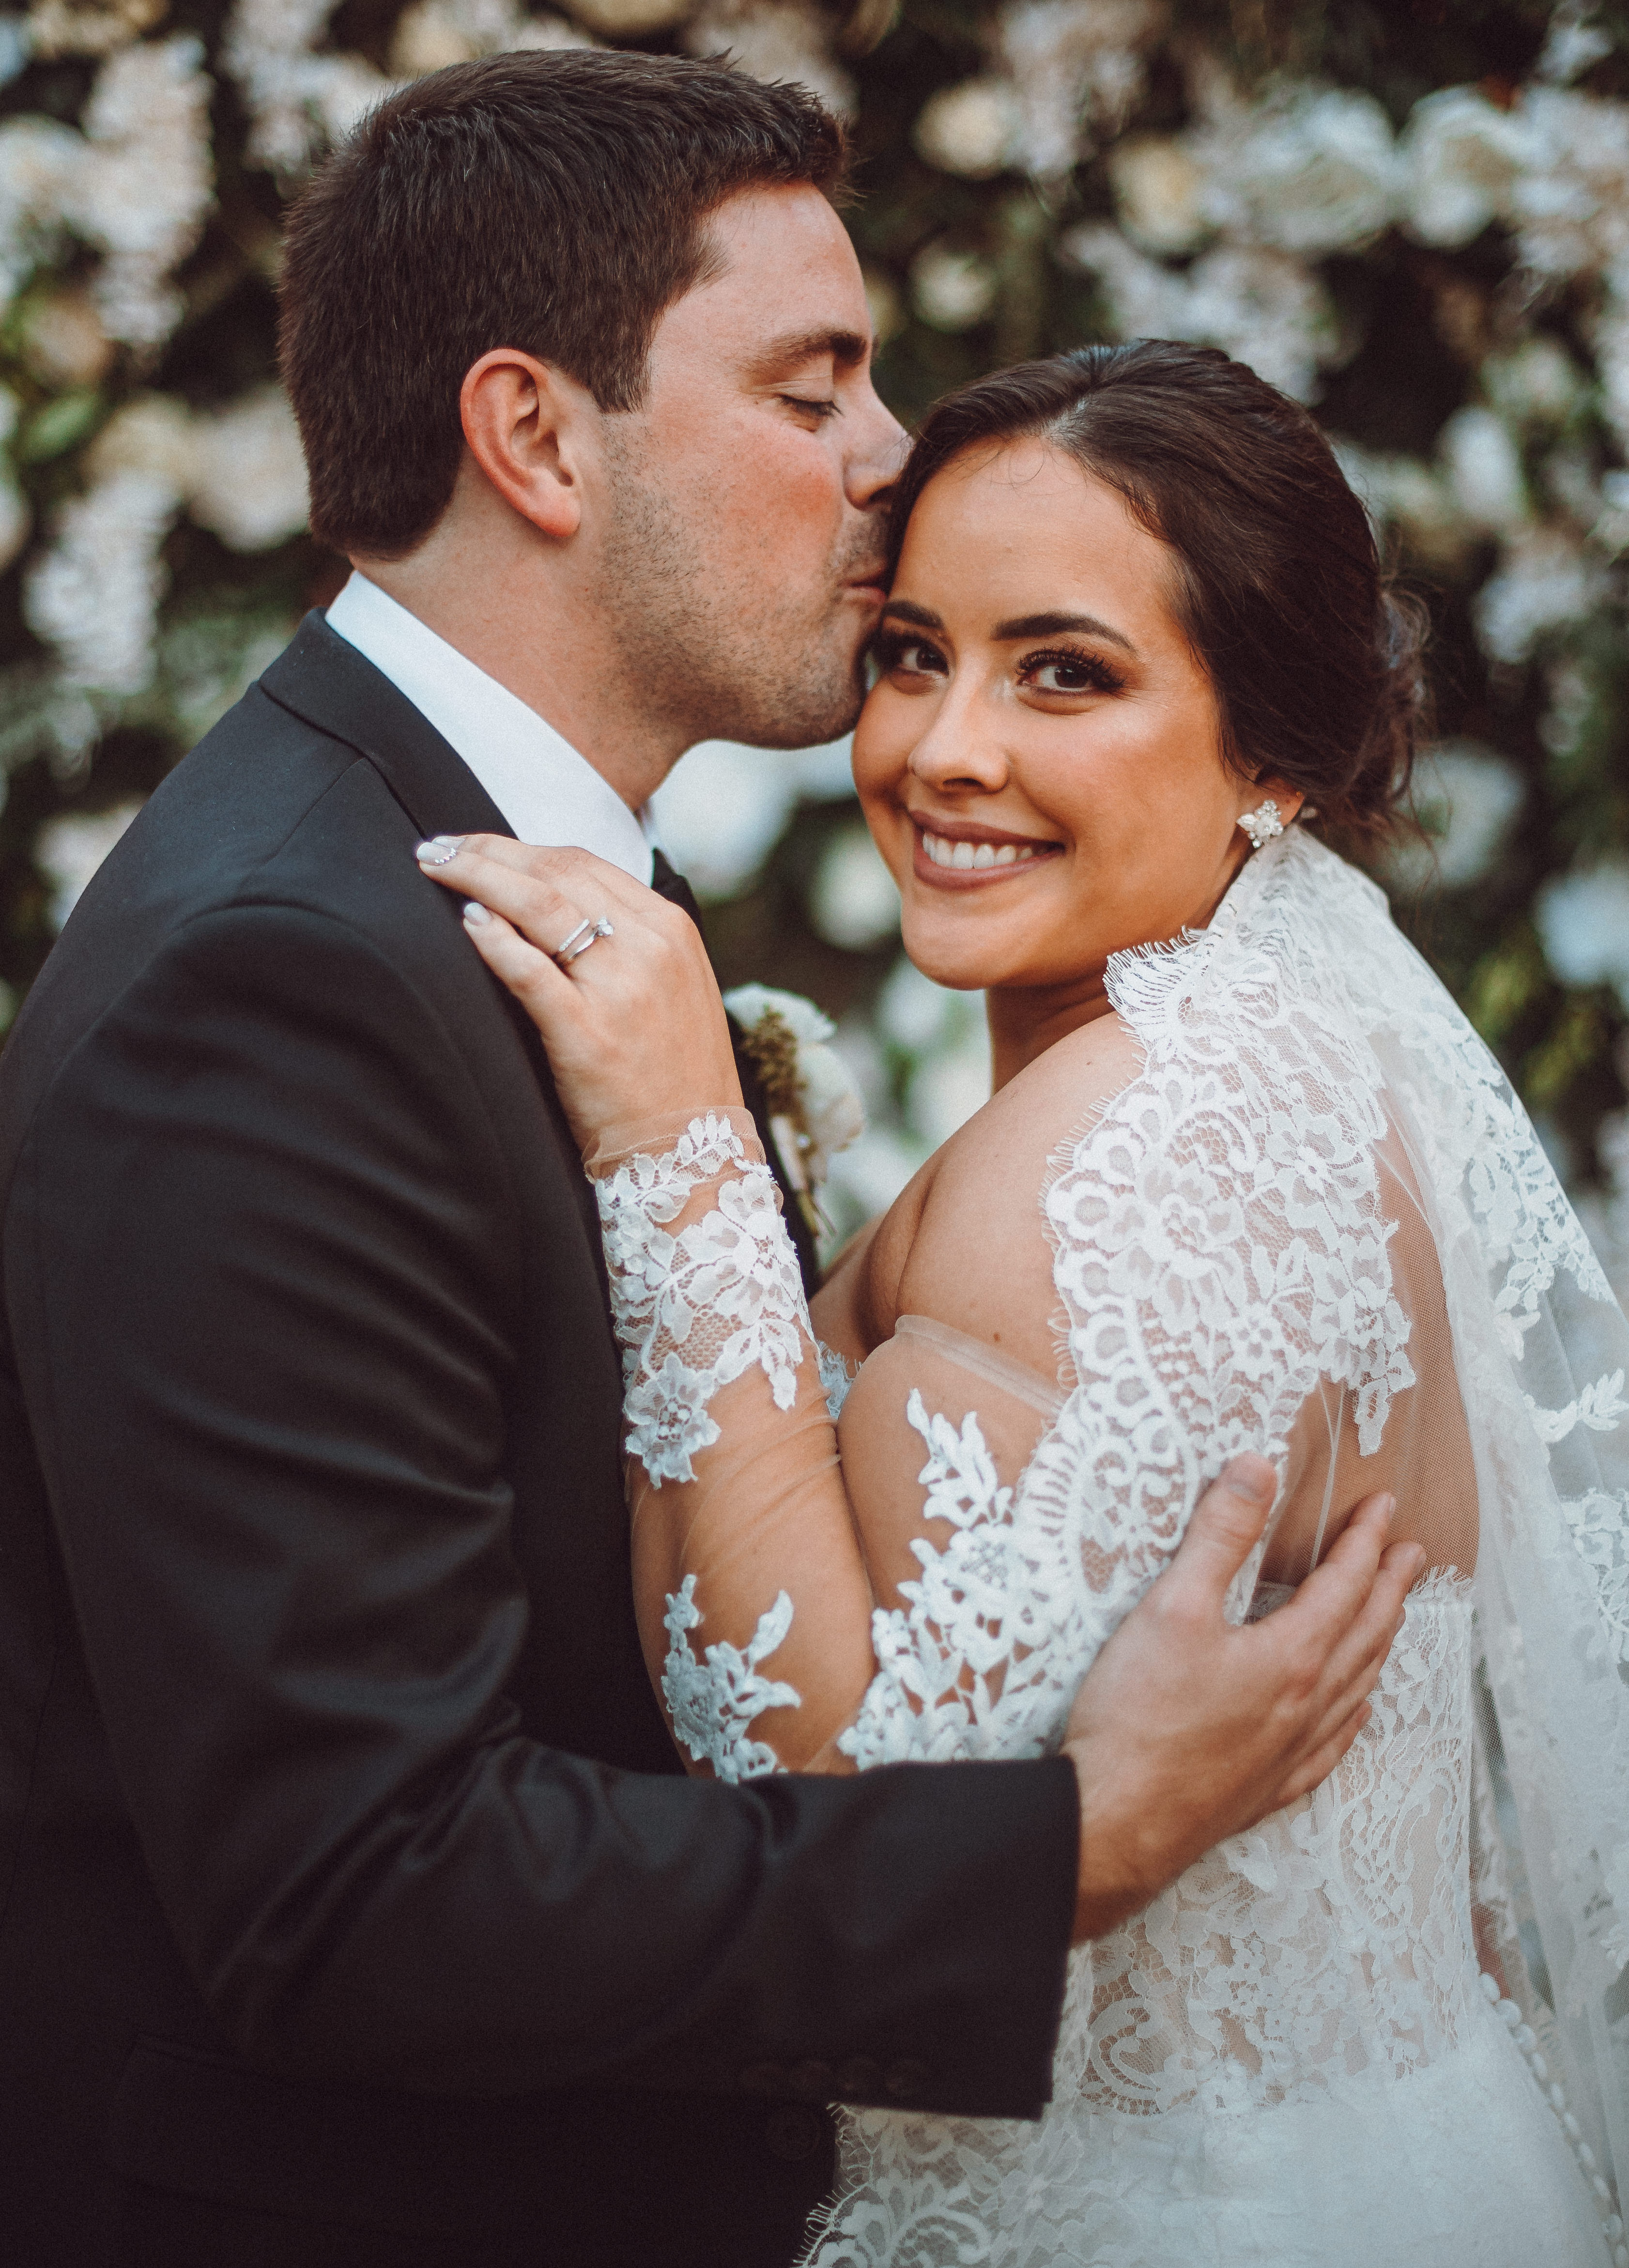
(322, 678)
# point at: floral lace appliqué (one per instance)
(713, 1701)
(695, 1310)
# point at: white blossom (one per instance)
(62, 340)
(1536, 384)
(439, 32)
(1484, 468)
(1405, 492)
(436, 32)
(775, 39)
(971, 128)
(94, 597)
(952, 290)
(1313, 171)
(89, 27)
(1570, 201)
(627, 19)
(1545, 582)
(1263, 307)
(151, 435)
(145, 182)
(247, 475)
(38, 159)
(1583, 924)
(723, 807)
(135, 186)
(1611, 528)
(1463, 156)
(299, 101)
(854, 902)
(1573, 43)
(1158, 189)
(1466, 798)
(69, 851)
(1074, 65)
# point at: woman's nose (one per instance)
(959, 750)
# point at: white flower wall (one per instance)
(1415, 220)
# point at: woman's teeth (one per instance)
(975, 855)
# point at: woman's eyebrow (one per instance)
(924, 617)
(1027, 626)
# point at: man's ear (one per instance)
(528, 427)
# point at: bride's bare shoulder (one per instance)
(965, 1243)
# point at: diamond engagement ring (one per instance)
(586, 933)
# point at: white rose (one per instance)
(1484, 468)
(1462, 156)
(952, 290)
(1159, 192)
(971, 128)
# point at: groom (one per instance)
(353, 1908)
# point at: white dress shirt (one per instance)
(547, 792)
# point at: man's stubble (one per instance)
(714, 641)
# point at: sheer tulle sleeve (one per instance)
(768, 1569)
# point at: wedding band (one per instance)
(582, 937)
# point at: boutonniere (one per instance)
(814, 1108)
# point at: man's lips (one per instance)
(960, 854)
(871, 583)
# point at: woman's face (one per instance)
(1039, 761)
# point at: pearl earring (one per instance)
(1262, 824)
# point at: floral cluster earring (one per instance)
(1262, 824)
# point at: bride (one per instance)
(1248, 1180)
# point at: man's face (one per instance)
(743, 549)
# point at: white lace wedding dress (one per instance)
(1391, 2024)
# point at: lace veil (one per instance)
(1304, 989)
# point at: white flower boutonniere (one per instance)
(814, 1108)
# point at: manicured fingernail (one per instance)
(475, 914)
(440, 851)
(1388, 1505)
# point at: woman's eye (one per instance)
(909, 657)
(1069, 673)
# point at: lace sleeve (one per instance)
(761, 1578)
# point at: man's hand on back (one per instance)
(1188, 1729)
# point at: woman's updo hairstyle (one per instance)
(1316, 664)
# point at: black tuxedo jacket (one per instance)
(346, 1872)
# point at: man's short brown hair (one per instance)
(551, 202)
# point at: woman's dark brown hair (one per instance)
(1316, 664)
(552, 202)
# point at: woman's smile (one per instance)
(958, 854)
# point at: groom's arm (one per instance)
(266, 1335)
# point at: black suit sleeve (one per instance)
(267, 1336)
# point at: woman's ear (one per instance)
(526, 425)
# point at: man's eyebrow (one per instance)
(1027, 626)
(924, 617)
(847, 348)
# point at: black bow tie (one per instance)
(673, 887)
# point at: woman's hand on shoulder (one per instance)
(631, 1019)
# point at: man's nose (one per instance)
(877, 455)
